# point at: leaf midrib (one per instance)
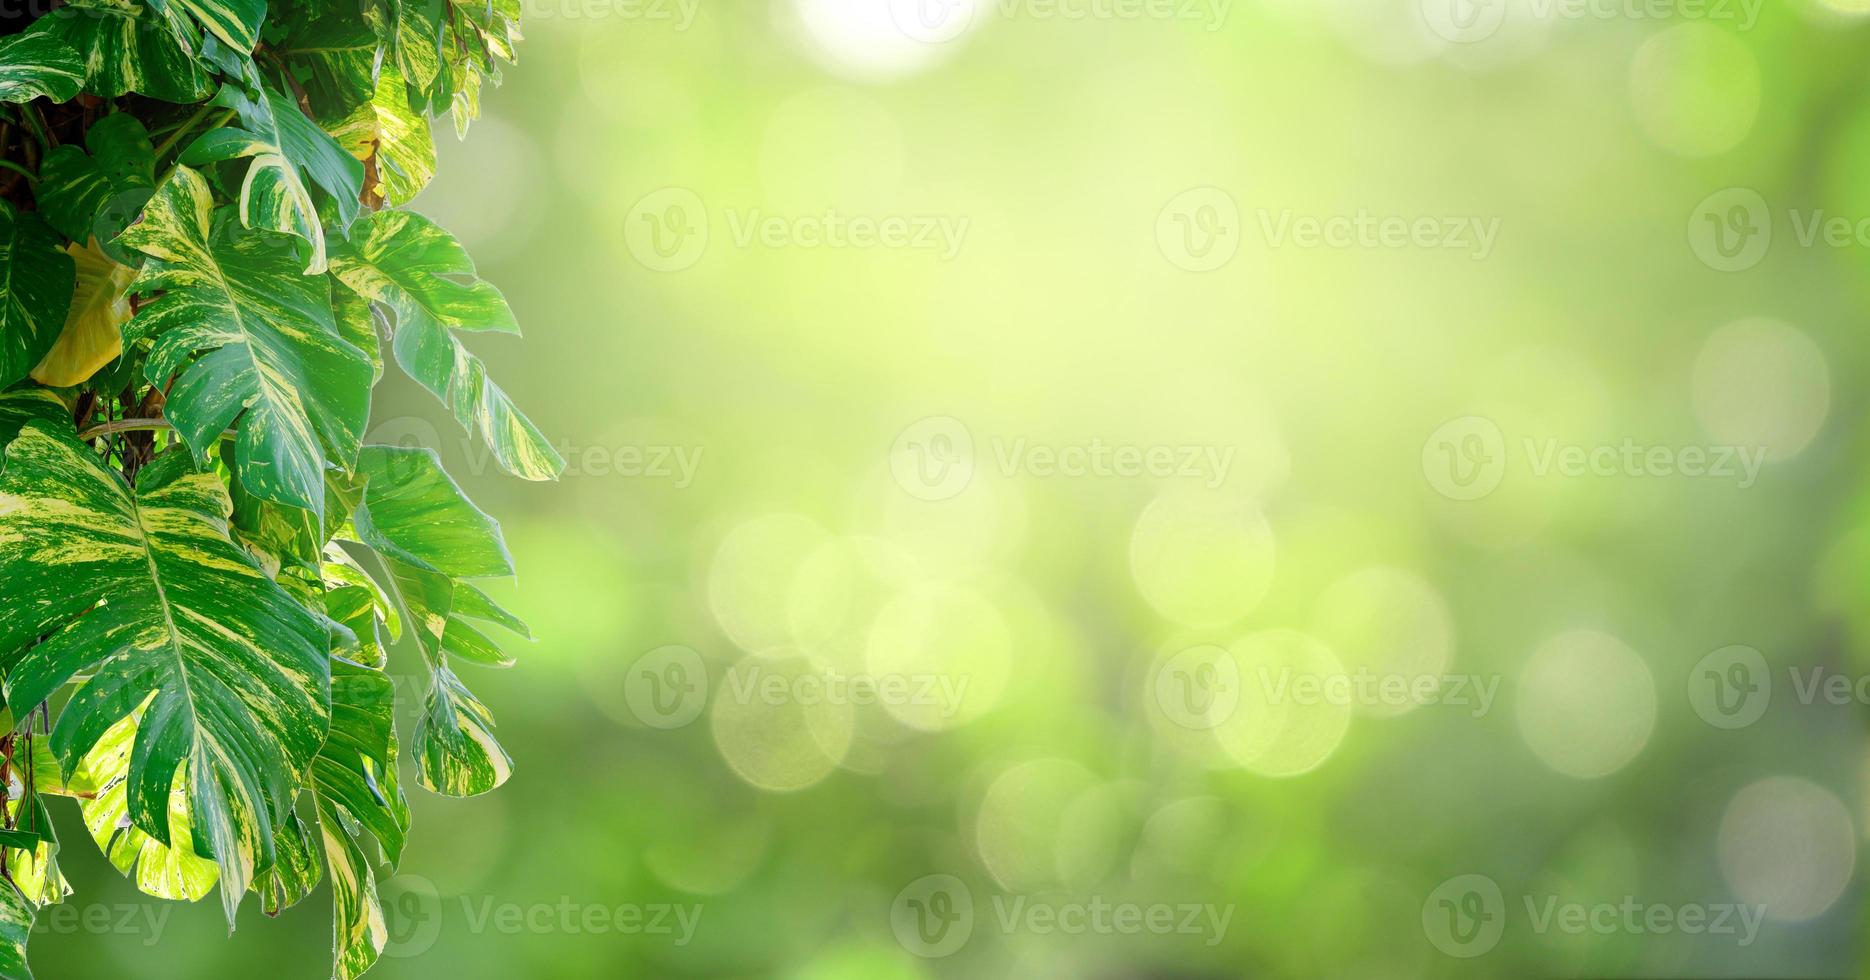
(168, 622)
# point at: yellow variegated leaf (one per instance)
(388, 132)
(172, 871)
(93, 334)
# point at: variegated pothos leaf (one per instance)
(248, 340)
(34, 66)
(417, 270)
(141, 593)
(36, 280)
(131, 47)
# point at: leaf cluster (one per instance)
(205, 267)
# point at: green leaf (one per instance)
(263, 110)
(387, 133)
(49, 777)
(412, 29)
(346, 578)
(271, 353)
(339, 56)
(34, 66)
(414, 511)
(36, 282)
(18, 408)
(479, 34)
(98, 194)
(355, 772)
(456, 752)
(358, 930)
(354, 607)
(425, 277)
(272, 197)
(355, 786)
(127, 47)
(154, 607)
(295, 872)
(27, 834)
(16, 916)
(430, 537)
(236, 22)
(290, 153)
(359, 321)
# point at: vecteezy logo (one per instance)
(412, 914)
(1731, 687)
(1199, 229)
(1198, 687)
(934, 458)
(667, 230)
(666, 687)
(1465, 458)
(933, 916)
(932, 21)
(1465, 916)
(1464, 21)
(1730, 230)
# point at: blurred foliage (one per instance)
(784, 375)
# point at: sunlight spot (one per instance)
(750, 580)
(945, 651)
(1388, 623)
(881, 40)
(1287, 722)
(1788, 844)
(1202, 558)
(1587, 704)
(779, 741)
(1761, 384)
(1021, 820)
(1695, 89)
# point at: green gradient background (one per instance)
(792, 371)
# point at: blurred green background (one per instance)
(800, 453)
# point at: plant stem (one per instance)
(131, 425)
(22, 171)
(187, 126)
(123, 425)
(36, 123)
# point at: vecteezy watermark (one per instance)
(941, 21)
(1732, 687)
(935, 916)
(676, 464)
(679, 14)
(935, 459)
(1202, 686)
(1199, 229)
(647, 461)
(145, 919)
(1466, 916)
(414, 910)
(668, 230)
(1363, 229)
(1473, 21)
(1731, 230)
(668, 687)
(1467, 458)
